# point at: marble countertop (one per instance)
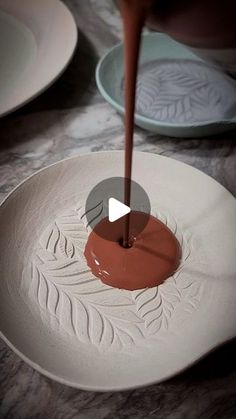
(72, 118)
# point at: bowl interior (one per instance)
(71, 327)
(111, 70)
(178, 94)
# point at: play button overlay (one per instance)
(106, 200)
(117, 210)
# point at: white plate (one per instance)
(68, 325)
(37, 40)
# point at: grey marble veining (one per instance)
(69, 119)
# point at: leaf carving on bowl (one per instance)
(156, 305)
(91, 311)
(183, 92)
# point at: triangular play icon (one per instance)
(116, 209)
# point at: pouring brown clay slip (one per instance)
(128, 261)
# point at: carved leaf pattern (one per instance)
(178, 92)
(95, 313)
(65, 288)
(156, 305)
(66, 237)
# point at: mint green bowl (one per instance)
(155, 46)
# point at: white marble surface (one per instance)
(69, 119)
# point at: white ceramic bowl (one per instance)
(68, 325)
